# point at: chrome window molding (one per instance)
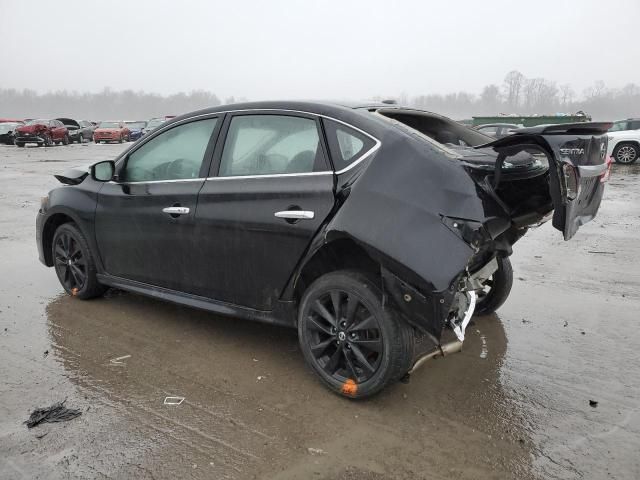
(363, 157)
(271, 175)
(199, 179)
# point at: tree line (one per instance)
(517, 94)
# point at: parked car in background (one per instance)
(79, 130)
(498, 130)
(42, 132)
(152, 125)
(628, 124)
(352, 225)
(135, 129)
(8, 132)
(624, 145)
(111, 131)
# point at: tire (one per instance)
(338, 351)
(74, 263)
(97, 141)
(120, 139)
(65, 140)
(497, 288)
(625, 153)
(48, 142)
(20, 144)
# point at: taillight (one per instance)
(607, 173)
(570, 180)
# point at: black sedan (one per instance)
(8, 132)
(371, 229)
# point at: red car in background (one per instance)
(42, 132)
(113, 131)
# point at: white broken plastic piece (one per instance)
(173, 400)
(118, 361)
(459, 329)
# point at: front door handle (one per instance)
(295, 214)
(176, 210)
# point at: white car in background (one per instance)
(624, 140)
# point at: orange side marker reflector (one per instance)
(74, 291)
(350, 388)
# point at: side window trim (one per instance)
(214, 171)
(363, 156)
(121, 162)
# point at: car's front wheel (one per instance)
(625, 153)
(352, 342)
(74, 263)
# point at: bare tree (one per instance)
(513, 83)
(566, 94)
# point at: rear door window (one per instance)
(271, 144)
(346, 144)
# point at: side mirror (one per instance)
(103, 171)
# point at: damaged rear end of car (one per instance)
(449, 216)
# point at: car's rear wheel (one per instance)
(120, 140)
(19, 144)
(625, 153)
(352, 342)
(74, 263)
(65, 140)
(496, 288)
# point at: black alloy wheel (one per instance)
(353, 343)
(70, 263)
(74, 264)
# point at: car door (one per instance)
(145, 221)
(270, 190)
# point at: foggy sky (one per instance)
(307, 49)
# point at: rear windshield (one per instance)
(440, 129)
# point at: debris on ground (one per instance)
(55, 413)
(315, 451)
(118, 360)
(44, 355)
(173, 400)
(593, 403)
(601, 253)
(39, 437)
(566, 324)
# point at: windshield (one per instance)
(618, 126)
(37, 121)
(138, 125)
(7, 127)
(109, 125)
(155, 123)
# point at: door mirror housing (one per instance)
(103, 171)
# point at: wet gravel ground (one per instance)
(513, 404)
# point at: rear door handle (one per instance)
(176, 210)
(295, 214)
